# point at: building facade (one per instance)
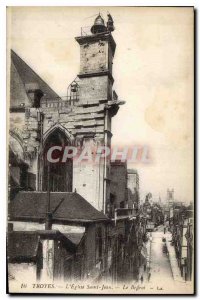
(39, 119)
(183, 238)
(133, 188)
(62, 209)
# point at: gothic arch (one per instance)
(58, 175)
(60, 127)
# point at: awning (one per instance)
(22, 246)
(74, 237)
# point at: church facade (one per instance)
(41, 119)
(58, 201)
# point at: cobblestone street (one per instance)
(159, 259)
(162, 273)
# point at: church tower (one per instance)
(98, 104)
(82, 119)
(96, 58)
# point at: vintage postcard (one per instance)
(100, 120)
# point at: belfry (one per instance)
(81, 119)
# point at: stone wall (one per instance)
(93, 88)
(94, 56)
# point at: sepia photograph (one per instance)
(100, 150)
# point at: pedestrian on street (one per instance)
(149, 276)
(141, 279)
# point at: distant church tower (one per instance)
(170, 197)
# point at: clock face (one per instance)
(94, 57)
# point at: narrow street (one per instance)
(159, 260)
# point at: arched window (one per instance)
(58, 175)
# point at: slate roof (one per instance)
(67, 207)
(27, 75)
(22, 246)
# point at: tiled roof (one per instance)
(67, 207)
(27, 75)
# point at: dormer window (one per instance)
(34, 93)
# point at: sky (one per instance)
(153, 72)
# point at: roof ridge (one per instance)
(74, 207)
